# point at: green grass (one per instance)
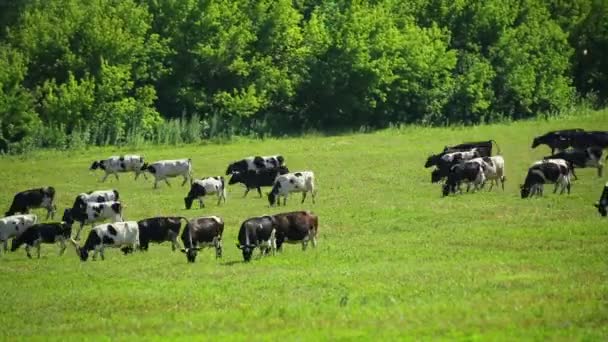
(394, 260)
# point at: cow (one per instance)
(257, 179)
(471, 172)
(583, 140)
(484, 148)
(34, 198)
(41, 233)
(559, 140)
(448, 160)
(97, 196)
(602, 204)
(93, 212)
(15, 225)
(546, 171)
(116, 234)
(164, 169)
(202, 232)
(493, 170)
(257, 232)
(119, 164)
(588, 157)
(303, 181)
(159, 229)
(296, 227)
(255, 163)
(206, 186)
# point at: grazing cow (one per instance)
(588, 157)
(206, 186)
(255, 163)
(15, 225)
(159, 229)
(116, 164)
(493, 170)
(34, 198)
(484, 148)
(257, 179)
(602, 204)
(448, 160)
(200, 233)
(547, 171)
(557, 139)
(41, 233)
(303, 182)
(93, 212)
(257, 232)
(296, 227)
(97, 196)
(471, 172)
(164, 169)
(116, 234)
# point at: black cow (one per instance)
(296, 227)
(255, 163)
(43, 233)
(159, 230)
(257, 179)
(547, 171)
(602, 204)
(202, 232)
(583, 140)
(484, 148)
(588, 157)
(34, 198)
(557, 139)
(448, 160)
(257, 232)
(470, 172)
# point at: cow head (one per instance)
(191, 253)
(95, 165)
(68, 217)
(188, 201)
(272, 198)
(431, 160)
(537, 141)
(525, 191)
(247, 251)
(82, 253)
(237, 177)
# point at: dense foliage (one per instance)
(109, 71)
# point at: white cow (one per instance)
(206, 186)
(493, 169)
(303, 181)
(164, 169)
(117, 234)
(15, 225)
(115, 164)
(93, 212)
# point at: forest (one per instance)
(75, 73)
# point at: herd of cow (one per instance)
(267, 233)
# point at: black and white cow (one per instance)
(164, 169)
(93, 212)
(555, 171)
(15, 225)
(255, 163)
(32, 199)
(557, 140)
(41, 233)
(493, 170)
(97, 196)
(471, 172)
(257, 232)
(445, 163)
(602, 204)
(303, 181)
(120, 164)
(484, 148)
(202, 232)
(296, 227)
(159, 229)
(257, 179)
(588, 157)
(116, 234)
(203, 187)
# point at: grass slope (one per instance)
(394, 259)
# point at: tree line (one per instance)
(110, 71)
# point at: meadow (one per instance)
(395, 260)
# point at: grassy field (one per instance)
(394, 260)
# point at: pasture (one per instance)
(394, 259)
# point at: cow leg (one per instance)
(27, 251)
(167, 181)
(303, 196)
(155, 183)
(218, 247)
(285, 200)
(116, 175)
(101, 249)
(260, 192)
(201, 204)
(38, 243)
(304, 243)
(273, 242)
(185, 180)
(600, 168)
(219, 198)
(246, 192)
(62, 246)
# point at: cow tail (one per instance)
(497, 147)
(190, 170)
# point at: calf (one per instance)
(119, 164)
(602, 204)
(200, 233)
(257, 232)
(560, 140)
(548, 171)
(303, 182)
(493, 170)
(296, 227)
(93, 212)
(95, 197)
(255, 163)
(117, 234)
(34, 198)
(206, 186)
(164, 169)
(159, 229)
(448, 160)
(15, 225)
(257, 179)
(469, 172)
(41, 233)
(588, 157)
